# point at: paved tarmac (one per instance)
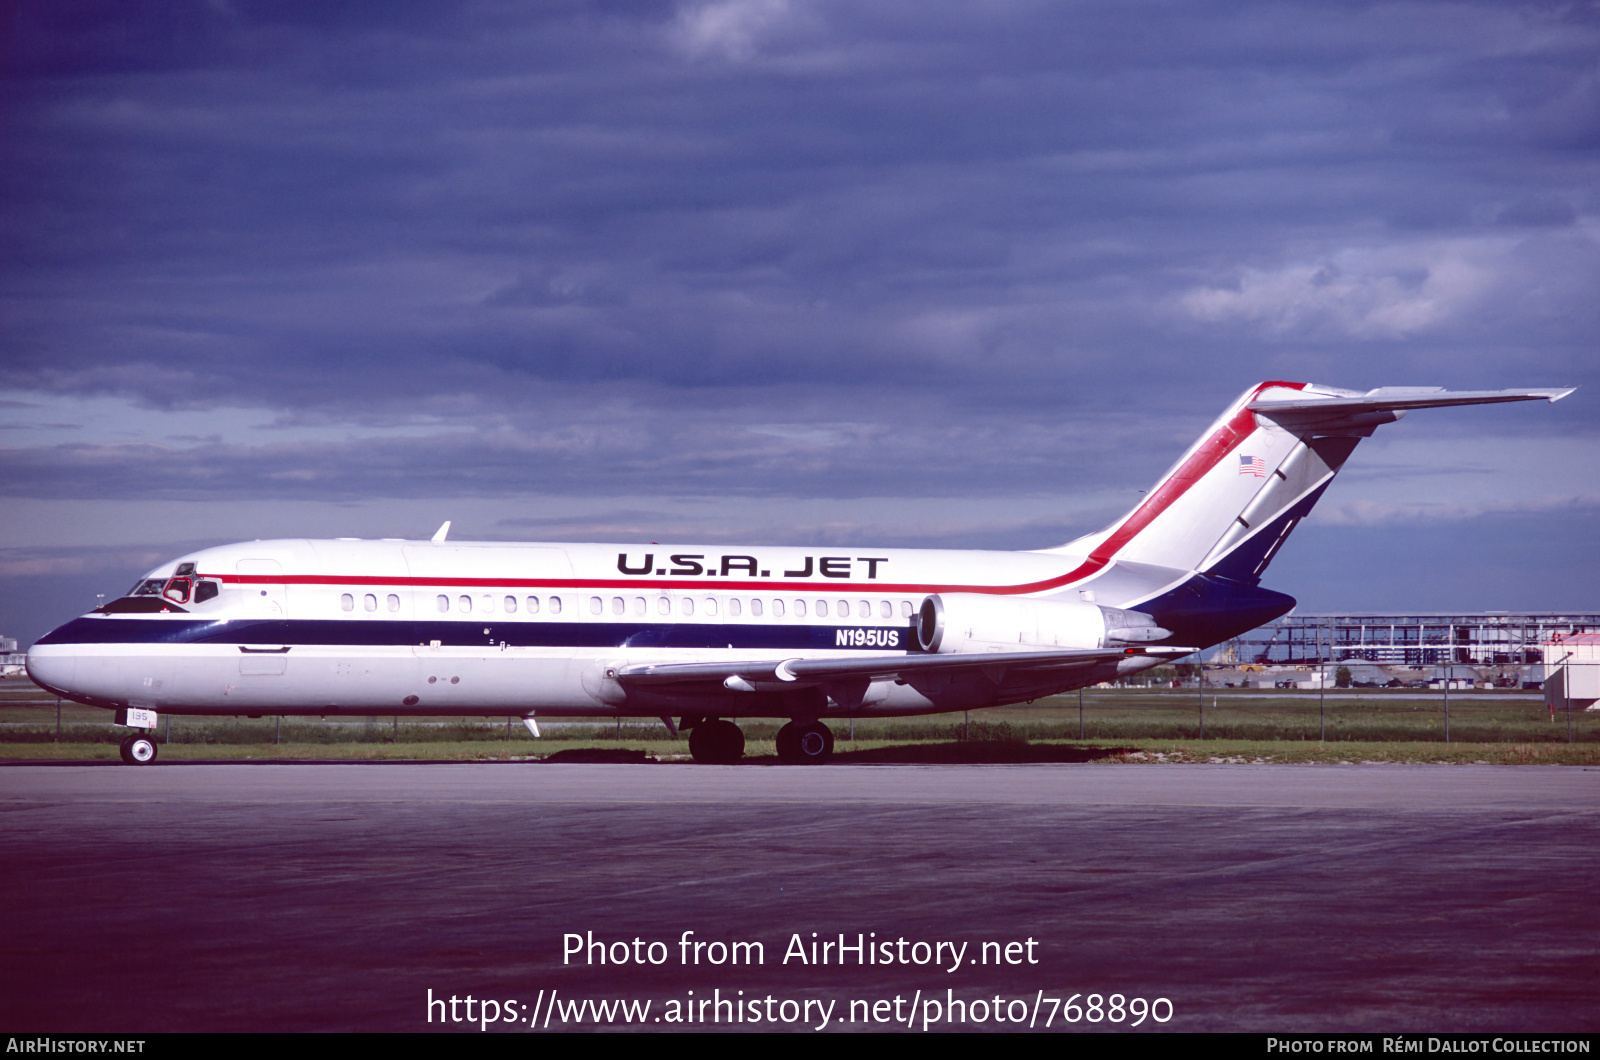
(334, 897)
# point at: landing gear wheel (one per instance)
(810, 743)
(788, 741)
(138, 750)
(716, 742)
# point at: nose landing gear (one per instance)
(138, 750)
(805, 743)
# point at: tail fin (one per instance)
(1228, 505)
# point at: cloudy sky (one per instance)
(788, 271)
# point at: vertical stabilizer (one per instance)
(1228, 505)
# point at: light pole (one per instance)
(1566, 692)
(1449, 665)
(1322, 686)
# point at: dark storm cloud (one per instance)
(933, 222)
(637, 252)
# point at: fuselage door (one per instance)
(263, 610)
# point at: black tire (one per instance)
(788, 742)
(716, 742)
(702, 742)
(139, 750)
(732, 741)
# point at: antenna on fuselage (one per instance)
(443, 530)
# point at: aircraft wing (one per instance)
(793, 672)
(1385, 404)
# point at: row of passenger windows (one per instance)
(369, 602)
(485, 603)
(709, 605)
(639, 607)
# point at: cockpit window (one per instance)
(147, 587)
(206, 590)
(177, 591)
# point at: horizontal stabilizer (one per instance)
(1296, 410)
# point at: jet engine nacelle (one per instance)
(951, 623)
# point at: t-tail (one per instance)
(1203, 536)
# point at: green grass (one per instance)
(1118, 726)
(862, 752)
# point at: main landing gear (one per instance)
(716, 742)
(805, 743)
(138, 750)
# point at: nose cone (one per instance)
(53, 666)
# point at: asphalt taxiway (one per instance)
(335, 897)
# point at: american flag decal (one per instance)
(1253, 465)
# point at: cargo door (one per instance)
(263, 636)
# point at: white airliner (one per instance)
(706, 634)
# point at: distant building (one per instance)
(1572, 671)
(13, 663)
(1418, 640)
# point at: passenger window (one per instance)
(688, 607)
(347, 601)
(394, 602)
(533, 605)
(370, 602)
(799, 609)
(755, 608)
(885, 609)
(596, 605)
(864, 608)
(511, 605)
(664, 605)
(555, 605)
(486, 603)
(443, 602)
(733, 608)
(711, 605)
(905, 608)
(777, 609)
(206, 591)
(617, 606)
(844, 608)
(464, 604)
(639, 605)
(822, 609)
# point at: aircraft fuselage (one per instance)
(425, 628)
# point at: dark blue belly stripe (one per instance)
(481, 634)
